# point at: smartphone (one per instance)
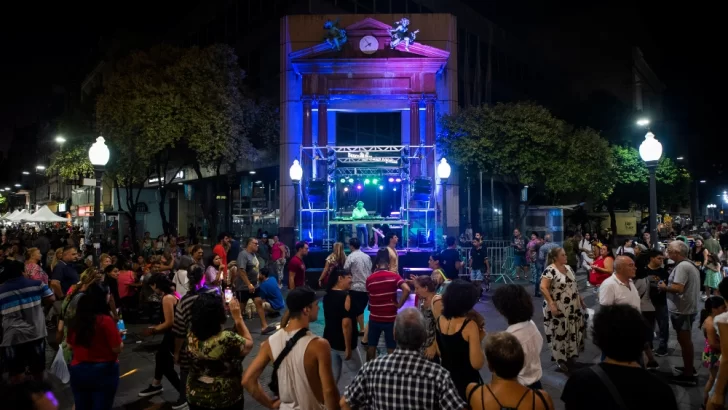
(228, 295)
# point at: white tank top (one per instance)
(293, 387)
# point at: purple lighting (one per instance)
(358, 187)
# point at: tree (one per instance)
(72, 162)
(184, 107)
(630, 178)
(524, 144)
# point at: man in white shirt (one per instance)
(361, 229)
(515, 304)
(619, 288)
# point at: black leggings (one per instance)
(164, 362)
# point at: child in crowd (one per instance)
(714, 305)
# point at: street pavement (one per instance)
(137, 362)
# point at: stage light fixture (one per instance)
(358, 187)
(399, 180)
(394, 189)
(381, 187)
(391, 179)
(375, 181)
(343, 180)
(351, 180)
(367, 181)
(346, 189)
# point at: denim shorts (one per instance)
(476, 274)
(375, 331)
(682, 322)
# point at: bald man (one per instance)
(619, 289)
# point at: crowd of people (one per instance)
(424, 357)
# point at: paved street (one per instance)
(137, 364)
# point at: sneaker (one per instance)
(151, 391)
(268, 330)
(678, 370)
(685, 380)
(660, 352)
(180, 404)
(653, 365)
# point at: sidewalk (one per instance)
(137, 362)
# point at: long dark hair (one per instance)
(711, 303)
(334, 277)
(162, 283)
(195, 275)
(208, 316)
(93, 303)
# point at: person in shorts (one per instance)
(23, 322)
(479, 265)
(519, 254)
(246, 280)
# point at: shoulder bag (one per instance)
(273, 385)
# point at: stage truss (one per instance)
(332, 163)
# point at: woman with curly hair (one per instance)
(335, 260)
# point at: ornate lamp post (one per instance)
(443, 172)
(651, 151)
(296, 173)
(98, 154)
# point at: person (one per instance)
(382, 287)
(197, 253)
(163, 360)
(713, 274)
(111, 278)
(619, 331)
(627, 246)
(450, 261)
(479, 265)
(96, 344)
(619, 287)
(519, 254)
(683, 294)
(28, 395)
(403, 379)
(361, 229)
(359, 264)
(339, 328)
(269, 299)
(336, 260)
(714, 306)
(712, 244)
(24, 331)
(216, 355)
(64, 274)
(246, 277)
(296, 267)
(430, 305)
(543, 251)
(181, 279)
(459, 332)
(513, 302)
(602, 267)
(656, 272)
(564, 323)
(305, 376)
(391, 240)
(214, 272)
(220, 249)
(32, 268)
(278, 255)
(647, 308)
(438, 275)
(233, 251)
(506, 359)
(647, 240)
(532, 248)
(183, 319)
(717, 395)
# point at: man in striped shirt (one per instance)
(23, 322)
(382, 286)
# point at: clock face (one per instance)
(368, 44)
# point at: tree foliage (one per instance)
(72, 162)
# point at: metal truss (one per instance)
(366, 172)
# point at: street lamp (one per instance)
(60, 139)
(98, 154)
(443, 172)
(643, 122)
(296, 173)
(651, 151)
(40, 167)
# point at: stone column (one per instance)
(414, 107)
(323, 135)
(307, 137)
(430, 121)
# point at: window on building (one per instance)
(379, 128)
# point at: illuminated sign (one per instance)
(365, 156)
(154, 180)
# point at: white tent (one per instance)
(13, 215)
(23, 214)
(44, 214)
(2, 218)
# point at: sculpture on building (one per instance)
(401, 33)
(335, 37)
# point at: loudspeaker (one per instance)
(421, 189)
(316, 190)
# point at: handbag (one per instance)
(273, 385)
(59, 367)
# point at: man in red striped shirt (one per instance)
(382, 286)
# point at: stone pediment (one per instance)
(350, 50)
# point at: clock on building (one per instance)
(368, 44)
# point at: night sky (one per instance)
(54, 45)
